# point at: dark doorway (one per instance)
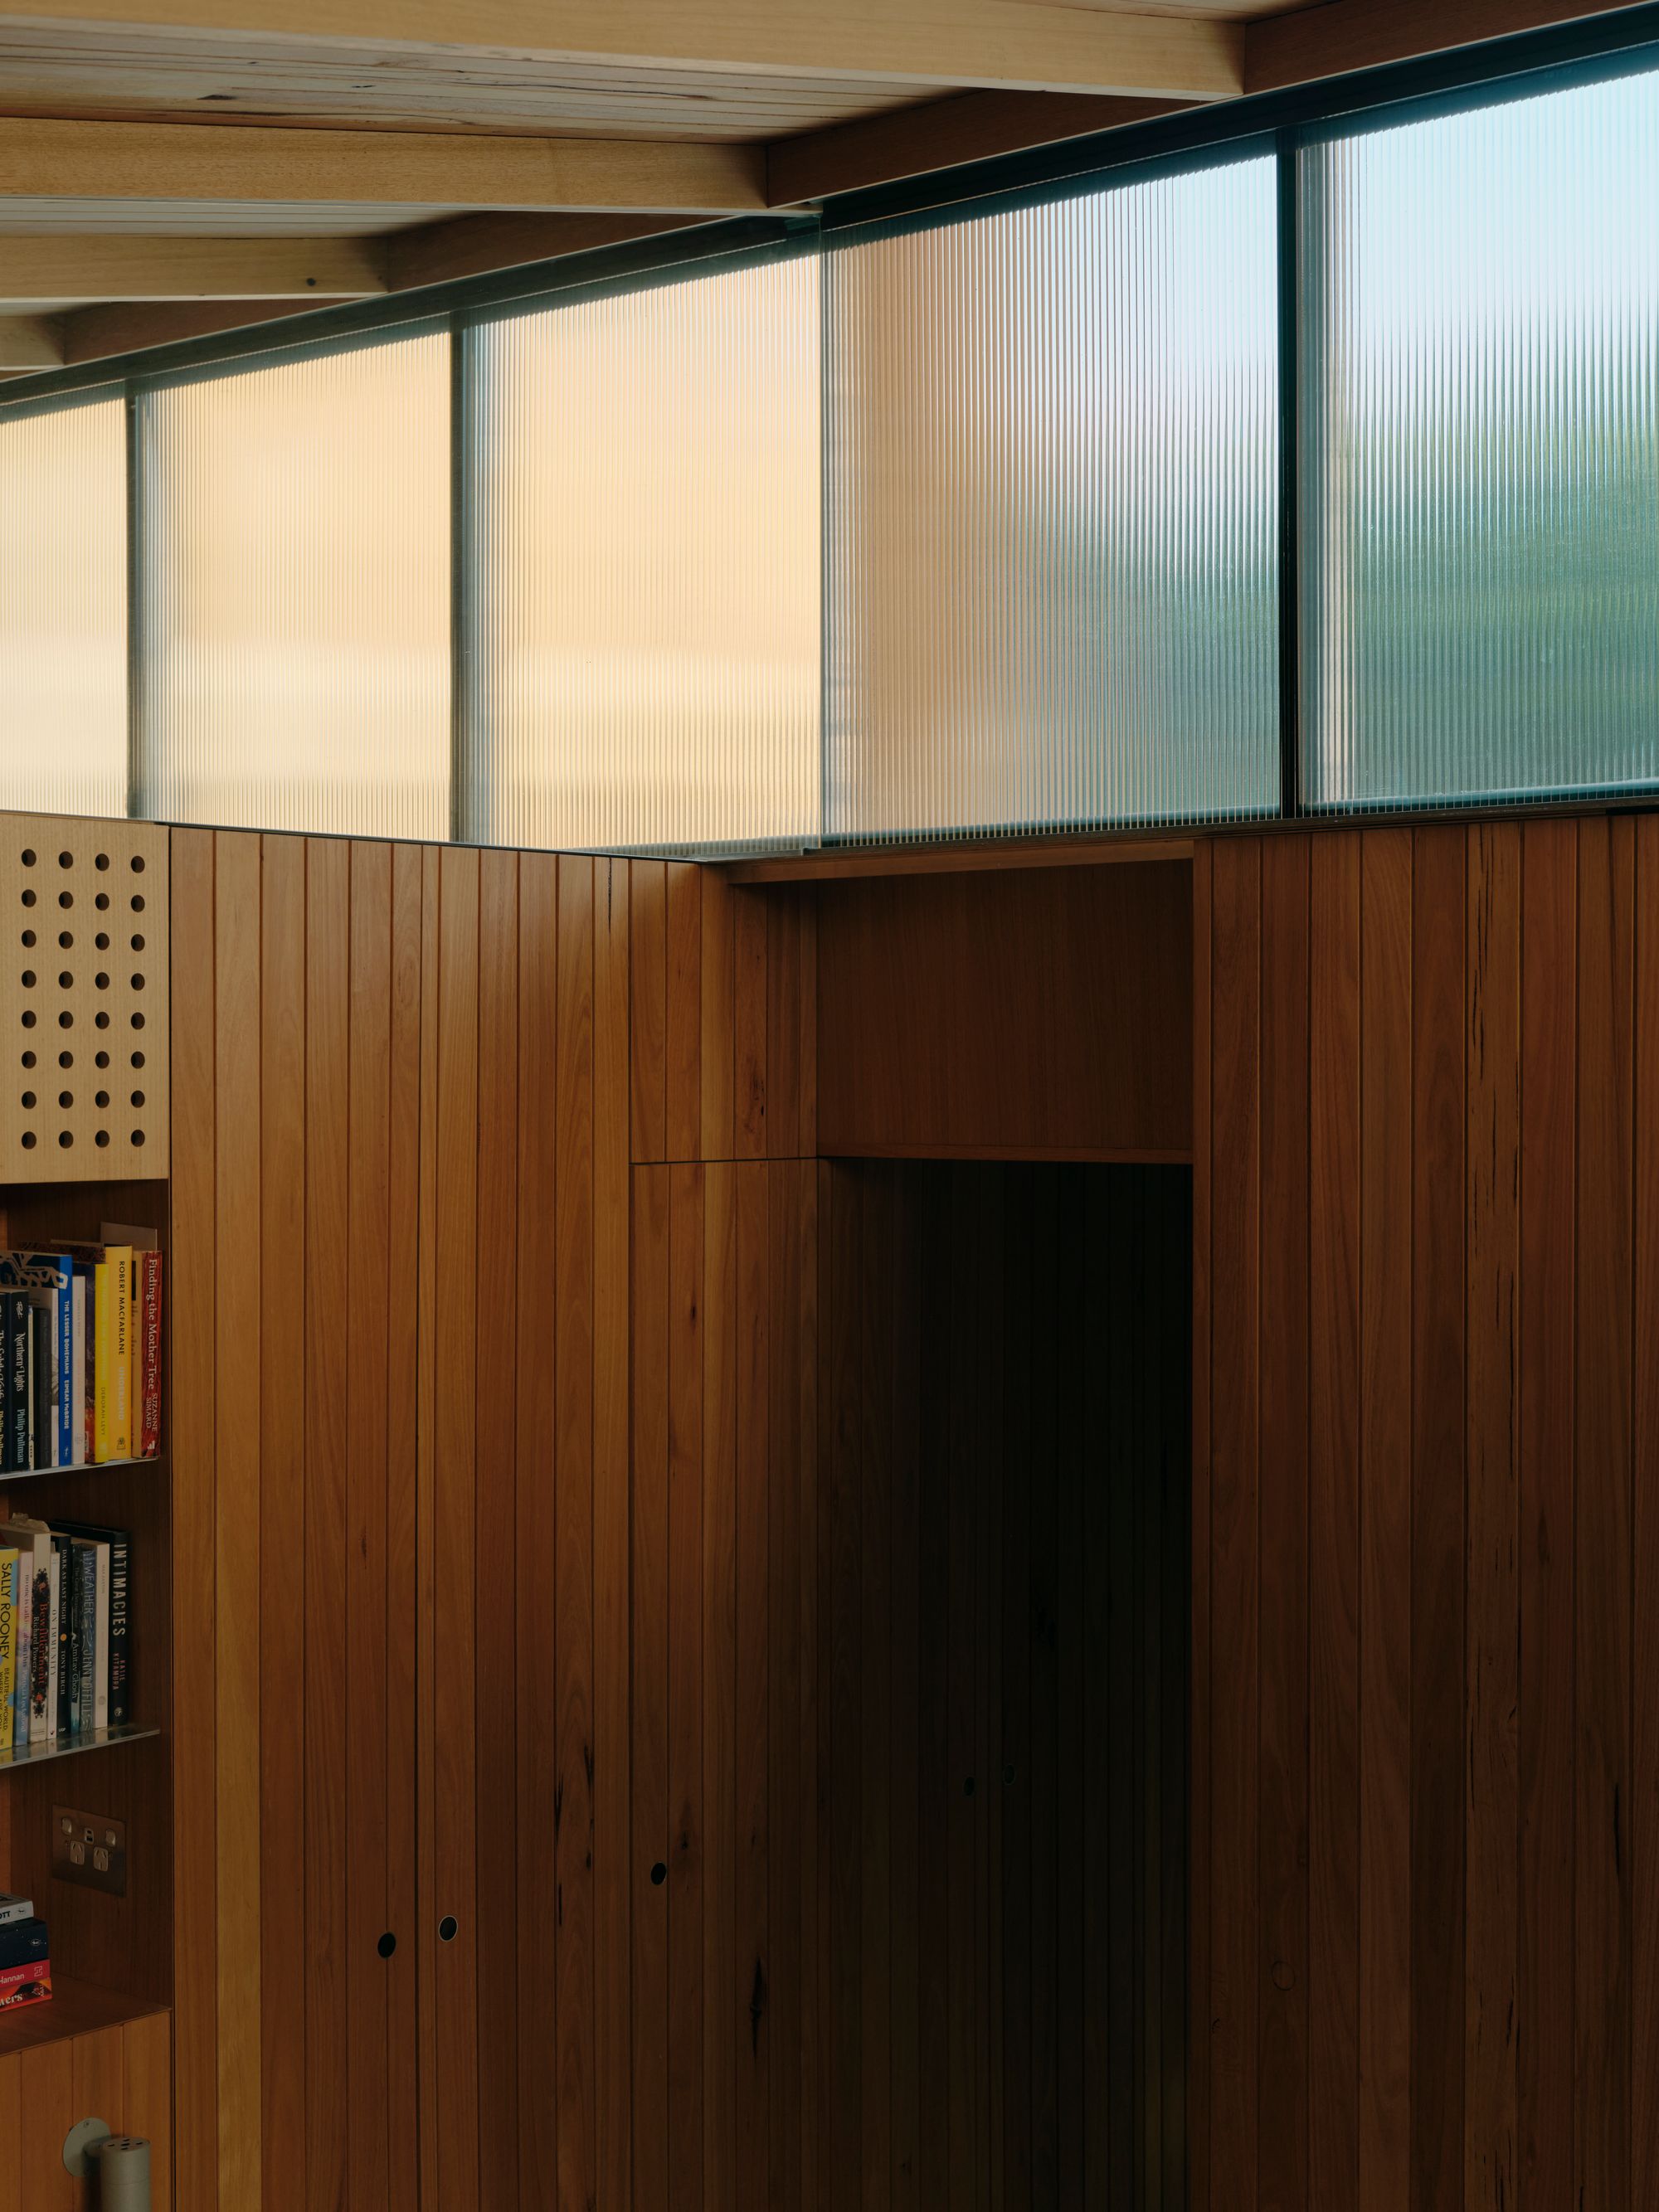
(1004, 1578)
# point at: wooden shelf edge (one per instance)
(19, 1755)
(15, 1474)
(836, 863)
(74, 2007)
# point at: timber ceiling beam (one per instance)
(909, 142)
(97, 333)
(124, 266)
(195, 162)
(1031, 44)
(1356, 35)
(30, 342)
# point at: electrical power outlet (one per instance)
(90, 1849)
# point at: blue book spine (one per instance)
(66, 1408)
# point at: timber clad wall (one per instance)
(405, 1081)
(1426, 1692)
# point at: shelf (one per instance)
(71, 1747)
(73, 2008)
(11, 1475)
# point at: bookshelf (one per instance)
(117, 1948)
(84, 1130)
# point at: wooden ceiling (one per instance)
(169, 166)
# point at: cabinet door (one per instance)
(296, 1057)
(522, 1694)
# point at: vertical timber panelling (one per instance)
(1481, 1211)
(294, 1044)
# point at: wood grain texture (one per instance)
(990, 1015)
(1480, 1247)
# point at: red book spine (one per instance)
(150, 1346)
(22, 1985)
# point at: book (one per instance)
(16, 1908)
(86, 1629)
(148, 1353)
(34, 1541)
(22, 1985)
(111, 1693)
(103, 1358)
(118, 1260)
(49, 1279)
(54, 1623)
(23, 1943)
(22, 1622)
(64, 1570)
(8, 1640)
(14, 1381)
(89, 1342)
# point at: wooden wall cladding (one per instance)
(1426, 1929)
(1001, 1631)
(119, 2074)
(408, 1089)
(83, 999)
(724, 1016)
(1031, 1014)
(724, 1783)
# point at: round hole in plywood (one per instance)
(66, 1020)
(137, 1136)
(28, 979)
(138, 904)
(28, 1017)
(137, 944)
(137, 864)
(28, 856)
(101, 1100)
(29, 1101)
(101, 980)
(66, 1060)
(28, 898)
(137, 1097)
(66, 1137)
(28, 939)
(101, 862)
(137, 1021)
(65, 981)
(28, 1059)
(66, 898)
(102, 941)
(101, 1139)
(137, 1058)
(66, 859)
(103, 1060)
(66, 1099)
(102, 901)
(137, 983)
(66, 940)
(102, 1020)
(29, 1140)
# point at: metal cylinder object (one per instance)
(122, 2165)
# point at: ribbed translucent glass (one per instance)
(1054, 514)
(1480, 394)
(64, 608)
(641, 567)
(294, 632)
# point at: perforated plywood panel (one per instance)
(83, 999)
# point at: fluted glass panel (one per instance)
(1480, 392)
(63, 609)
(642, 567)
(294, 633)
(1054, 514)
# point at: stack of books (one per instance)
(79, 1355)
(25, 1958)
(65, 1630)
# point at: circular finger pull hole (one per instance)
(449, 1928)
(29, 1101)
(102, 1059)
(101, 1019)
(137, 902)
(29, 940)
(101, 1100)
(65, 981)
(137, 1021)
(66, 1099)
(29, 1140)
(658, 1873)
(28, 898)
(66, 1020)
(28, 1059)
(29, 979)
(66, 859)
(387, 1944)
(137, 1136)
(102, 901)
(28, 1017)
(66, 1060)
(65, 1139)
(137, 864)
(28, 856)
(137, 983)
(137, 1097)
(101, 980)
(66, 898)
(137, 1058)
(101, 862)
(137, 944)
(102, 941)
(101, 1139)
(66, 938)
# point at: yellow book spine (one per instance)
(120, 1394)
(103, 1321)
(8, 1638)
